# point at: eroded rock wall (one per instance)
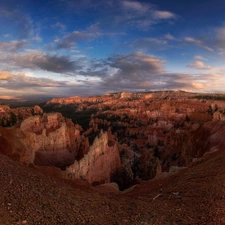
(99, 164)
(52, 140)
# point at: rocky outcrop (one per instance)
(99, 164)
(37, 124)
(218, 116)
(125, 95)
(10, 117)
(52, 140)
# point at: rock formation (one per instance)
(14, 116)
(99, 164)
(139, 135)
(155, 130)
(52, 140)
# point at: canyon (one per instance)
(119, 142)
(155, 132)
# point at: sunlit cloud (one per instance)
(163, 15)
(200, 65)
(4, 75)
(198, 85)
(21, 80)
(198, 57)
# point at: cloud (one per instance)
(142, 15)
(154, 43)
(135, 6)
(143, 72)
(169, 37)
(136, 64)
(4, 75)
(190, 40)
(159, 43)
(127, 14)
(69, 40)
(198, 57)
(216, 40)
(34, 59)
(219, 39)
(163, 15)
(198, 85)
(21, 84)
(59, 26)
(128, 68)
(6, 35)
(18, 84)
(126, 72)
(200, 65)
(14, 18)
(12, 46)
(21, 80)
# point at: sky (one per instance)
(63, 48)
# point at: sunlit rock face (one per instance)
(52, 140)
(14, 116)
(126, 95)
(25, 112)
(4, 109)
(99, 164)
(218, 116)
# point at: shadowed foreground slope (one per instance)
(194, 196)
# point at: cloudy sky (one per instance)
(92, 47)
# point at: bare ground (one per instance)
(194, 196)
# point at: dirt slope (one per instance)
(194, 196)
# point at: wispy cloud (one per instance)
(200, 65)
(156, 43)
(135, 6)
(60, 26)
(191, 40)
(21, 22)
(198, 57)
(142, 15)
(215, 41)
(163, 15)
(169, 37)
(125, 13)
(69, 40)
